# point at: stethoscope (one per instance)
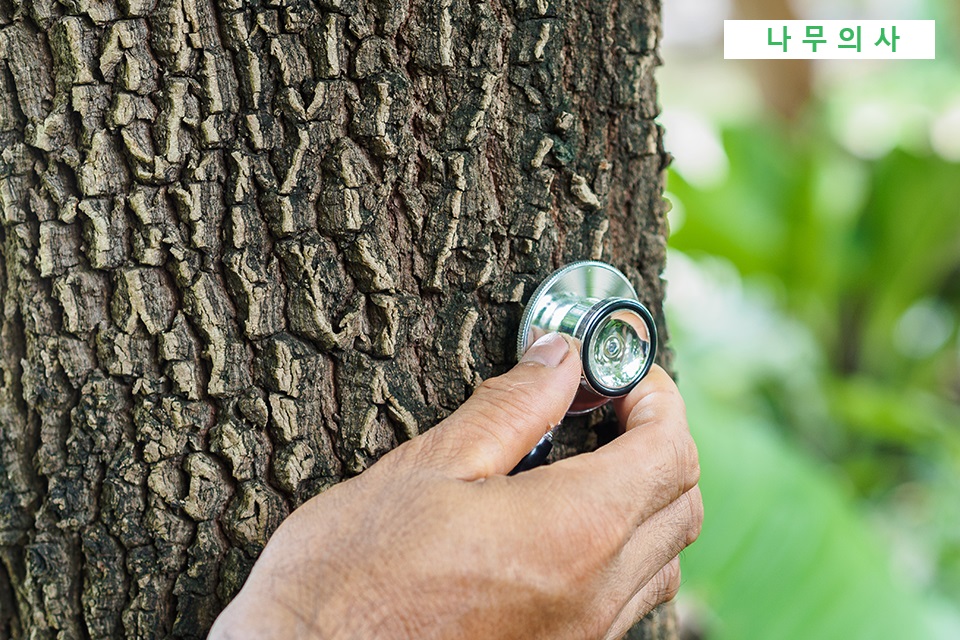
(595, 304)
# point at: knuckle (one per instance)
(663, 587)
(681, 524)
(696, 516)
(691, 459)
(673, 468)
(677, 462)
(671, 581)
(686, 463)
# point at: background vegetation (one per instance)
(814, 296)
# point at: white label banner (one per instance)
(829, 39)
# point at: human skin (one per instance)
(436, 541)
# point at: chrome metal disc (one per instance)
(587, 279)
(596, 305)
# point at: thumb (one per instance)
(507, 415)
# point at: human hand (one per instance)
(434, 541)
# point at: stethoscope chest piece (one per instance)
(596, 305)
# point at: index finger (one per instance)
(648, 467)
(656, 396)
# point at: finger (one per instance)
(643, 470)
(662, 537)
(654, 544)
(506, 416)
(649, 400)
(663, 587)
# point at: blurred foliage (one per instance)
(814, 304)
(875, 275)
(803, 565)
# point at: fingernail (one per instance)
(548, 350)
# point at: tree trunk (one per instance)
(247, 249)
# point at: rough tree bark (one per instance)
(248, 248)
